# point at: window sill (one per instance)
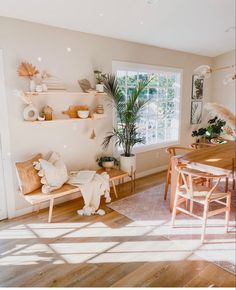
(147, 148)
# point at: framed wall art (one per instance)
(197, 87)
(196, 112)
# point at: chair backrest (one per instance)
(173, 150)
(187, 175)
(201, 145)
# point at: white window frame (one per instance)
(128, 66)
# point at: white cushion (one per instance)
(53, 172)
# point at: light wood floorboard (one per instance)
(85, 251)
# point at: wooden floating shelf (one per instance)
(95, 117)
(92, 93)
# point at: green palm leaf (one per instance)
(128, 111)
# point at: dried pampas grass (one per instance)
(26, 69)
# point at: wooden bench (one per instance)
(37, 197)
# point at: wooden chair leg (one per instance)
(174, 210)
(50, 210)
(233, 184)
(191, 206)
(167, 184)
(227, 213)
(204, 222)
(114, 188)
(226, 184)
(134, 180)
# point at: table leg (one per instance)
(134, 180)
(114, 188)
(174, 177)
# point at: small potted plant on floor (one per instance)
(107, 162)
(99, 80)
(126, 133)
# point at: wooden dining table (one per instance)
(214, 159)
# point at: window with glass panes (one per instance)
(159, 120)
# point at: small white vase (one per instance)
(100, 88)
(39, 89)
(32, 85)
(44, 87)
(128, 164)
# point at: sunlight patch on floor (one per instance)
(16, 234)
(24, 260)
(109, 232)
(128, 257)
(73, 248)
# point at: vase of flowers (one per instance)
(26, 69)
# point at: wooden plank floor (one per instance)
(110, 250)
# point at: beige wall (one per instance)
(26, 41)
(221, 93)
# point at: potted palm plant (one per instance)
(128, 109)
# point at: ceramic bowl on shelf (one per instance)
(83, 114)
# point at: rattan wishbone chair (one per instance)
(196, 193)
(172, 151)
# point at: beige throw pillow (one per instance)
(53, 173)
(28, 176)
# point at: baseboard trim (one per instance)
(30, 209)
(151, 171)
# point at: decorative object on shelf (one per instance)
(32, 85)
(83, 114)
(26, 69)
(99, 80)
(100, 109)
(197, 87)
(30, 113)
(44, 87)
(93, 135)
(39, 89)
(85, 85)
(196, 112)
(72, 111)
(52, 82)
(205, 71)
(107, 162)
(213, 130)
(128, 112)
(48, 113)
(41, 117)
